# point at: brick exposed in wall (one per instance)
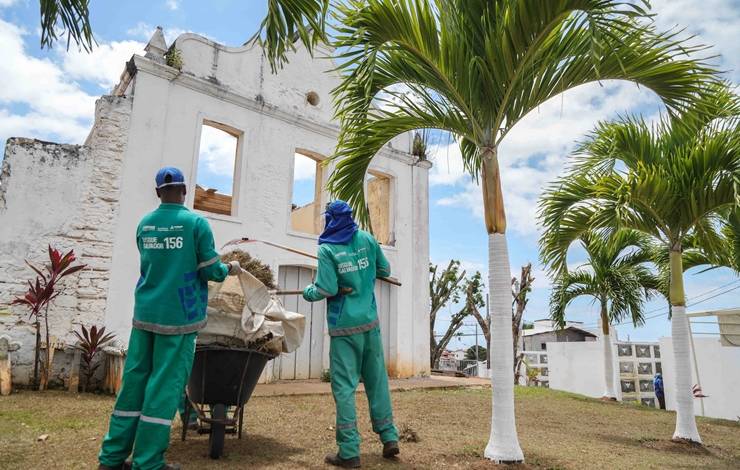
(66, 196)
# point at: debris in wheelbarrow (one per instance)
(252, 265)
(247, 326)
(243, 313)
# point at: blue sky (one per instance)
(50, 95)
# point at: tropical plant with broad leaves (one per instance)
(37, 299)
(473, 68)
(617, 276)
(677, 181)
(91, 342)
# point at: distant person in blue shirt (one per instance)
(659, 393)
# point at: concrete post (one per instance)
(6, 346)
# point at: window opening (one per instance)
(216, 174)
(305, 207)
(378, 195)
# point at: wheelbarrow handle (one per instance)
(342, 290)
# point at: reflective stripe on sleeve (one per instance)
(205, 264)
(323, 292)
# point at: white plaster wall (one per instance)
(719, 373)
(66, 196)
(578, 367)
(222, 85)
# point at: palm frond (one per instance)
(567, 287)
(288, 22)
(66, 17)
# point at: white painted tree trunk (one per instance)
(685, 420)
(503, 445)
(608, 366)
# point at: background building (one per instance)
(222, 106)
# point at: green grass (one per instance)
(557, 430)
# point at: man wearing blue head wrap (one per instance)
(349, 262)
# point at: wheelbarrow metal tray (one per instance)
(224, 375)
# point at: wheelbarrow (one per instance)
(220, 384)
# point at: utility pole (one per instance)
(476, 345)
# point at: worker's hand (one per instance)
(345, 290)
(234, 268)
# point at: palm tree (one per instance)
(70, 17)
(473, 68)
(677, 181)
(616, 276)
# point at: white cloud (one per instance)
(172, 4)
(103, 65)
(217, 151)
(144, 31)
(42, 97)
(714, 22)
(305, 168)
(41, 125)
(536, 151)
(448, 165)
(56, 105)
(141, 30)
(7, 3)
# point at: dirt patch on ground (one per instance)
(680, 447)
(556, 430)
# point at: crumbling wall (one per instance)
(66, 196)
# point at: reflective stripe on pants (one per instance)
(352, 357)
(154, 376)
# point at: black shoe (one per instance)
(337, 461)
(127, 465)
(390, 449)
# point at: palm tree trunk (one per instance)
(608, 357)
(685, 420)
(503, 445)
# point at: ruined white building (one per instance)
(90, 197)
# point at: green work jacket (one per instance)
(355, 265)
(177, 259)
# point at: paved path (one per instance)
(315, 387)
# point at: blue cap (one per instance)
(169, 176)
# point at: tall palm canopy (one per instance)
(617, 277)
(677, 181)
(615, 274)
(473, 68)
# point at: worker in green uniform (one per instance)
(177, 259)
(349, 262)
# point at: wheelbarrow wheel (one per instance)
(218, 431)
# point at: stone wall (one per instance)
(66, 196)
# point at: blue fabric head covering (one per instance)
(340, 227)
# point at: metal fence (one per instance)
(469, 367)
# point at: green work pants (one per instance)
(352, 357)
(154, 376)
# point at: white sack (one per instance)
(241, 310)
